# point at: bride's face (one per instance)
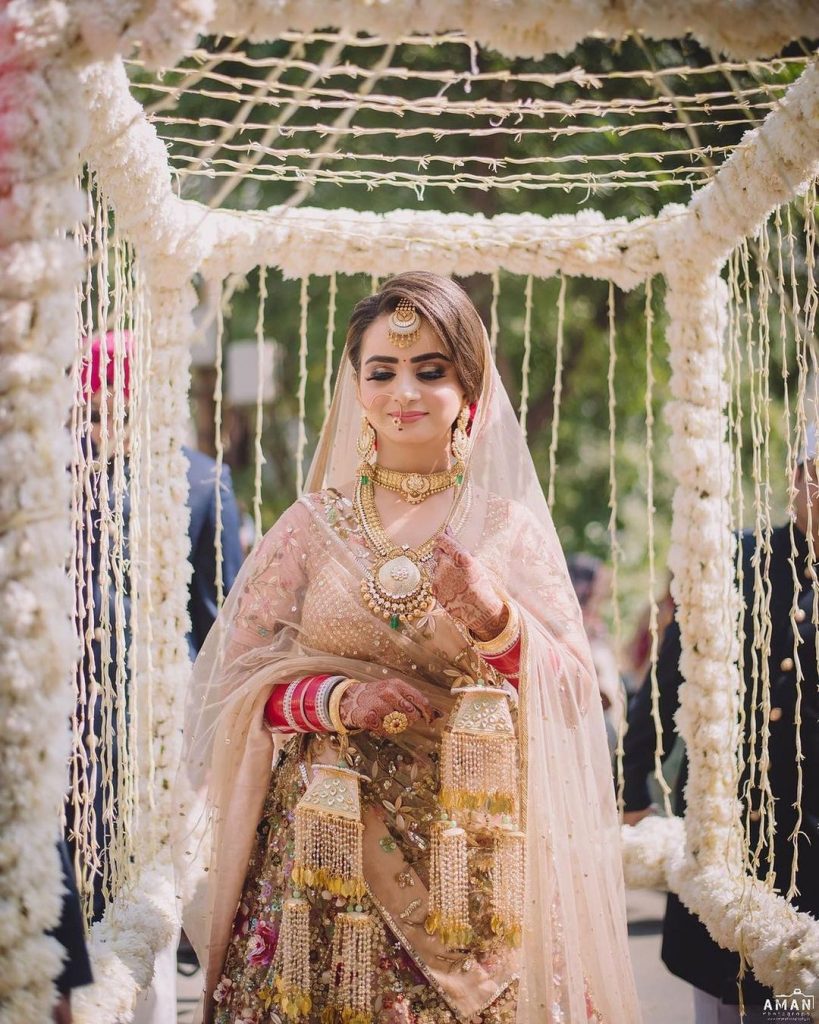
(416, 386)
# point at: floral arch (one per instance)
(67, 102)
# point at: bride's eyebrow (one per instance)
(426, 357)
(430, 355)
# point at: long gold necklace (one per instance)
(398, 586)
(413, 487)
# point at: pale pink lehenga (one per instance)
(296, 610)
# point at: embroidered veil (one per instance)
(296, 610)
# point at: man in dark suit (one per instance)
(70, 933)
(687, 950)
(202, 605)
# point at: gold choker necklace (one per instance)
(414, 487)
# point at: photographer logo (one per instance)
(795, 1006)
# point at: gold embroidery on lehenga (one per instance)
(453, 1015)
(409, 910)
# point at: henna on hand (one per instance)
(365, 705)
(462, 585)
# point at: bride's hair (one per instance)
(447, 309)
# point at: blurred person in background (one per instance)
(590, 580)
(637, 654)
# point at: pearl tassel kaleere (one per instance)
(448, 914)
(351, 969)
(479, 770)
(508, 882)
(479, 776)
(328, 832)
(328, 855)
(291, 979)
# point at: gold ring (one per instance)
(394, 722)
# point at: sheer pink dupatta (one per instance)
(575, 963)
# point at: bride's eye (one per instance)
(381, 375)
(434, 373)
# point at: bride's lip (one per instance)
(407, 417)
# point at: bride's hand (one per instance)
(365, 705)
(462, 585)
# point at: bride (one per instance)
(436, 840)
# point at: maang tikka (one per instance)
(404, 324)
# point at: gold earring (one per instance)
(460, 445)
(365, 444)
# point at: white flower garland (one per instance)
(164, 30)
(739, 912)
(651, 850)
(38, 269)
(530, 28)
(771, 166)
(308, 241)
(93, 30)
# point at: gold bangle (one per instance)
(507, 637)
(334, 702)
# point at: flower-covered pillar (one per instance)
(131, 168)
(40, 137)
(701, 559)
(766, 170)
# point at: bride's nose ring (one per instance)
(396, 420)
